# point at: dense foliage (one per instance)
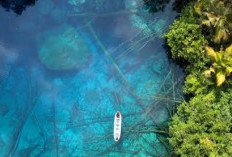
(202, 126)
(187, 42)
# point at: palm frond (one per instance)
(198, 7)
(208, 72)
(228, 71)
(210, 52)
(228, 50)
(221, 35)
(221, 77)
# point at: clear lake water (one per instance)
(67, 66)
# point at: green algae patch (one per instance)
(64, 49)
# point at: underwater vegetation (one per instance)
(203, 122)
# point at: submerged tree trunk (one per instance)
(29, 106)
(56, 141)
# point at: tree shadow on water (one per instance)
(18, 6)
(154, 6)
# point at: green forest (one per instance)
(200, 41)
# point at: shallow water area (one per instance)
(65, 69)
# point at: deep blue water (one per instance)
(66, 67)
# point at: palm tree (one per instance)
(222, 64)
(216, 14)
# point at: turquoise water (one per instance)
(66, 67)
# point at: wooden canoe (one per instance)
(117, 126)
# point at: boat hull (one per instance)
(117, 126)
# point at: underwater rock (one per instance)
(64, 49)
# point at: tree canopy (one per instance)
(202, 125)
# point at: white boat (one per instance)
(117, 126)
